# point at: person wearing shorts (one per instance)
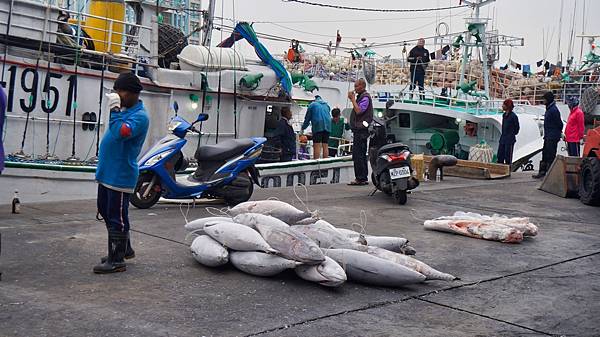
(319, 117)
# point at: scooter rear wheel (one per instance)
(237, 198)
(401, 197)
(137, 197)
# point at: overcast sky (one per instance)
(535, 20)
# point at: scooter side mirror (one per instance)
(202, 117)
(176, 107)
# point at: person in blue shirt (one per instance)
(285, 137)
(318, 115)
(117, 170)
(553, 126)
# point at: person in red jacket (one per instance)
(575, 127)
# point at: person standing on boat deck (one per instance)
(318, 115)
(285, 137)
(117, 170)
(418, 57)
(510, 129)
(338, 125)
(2, 116)
(575, 127)
(553, 126)
(360, 120)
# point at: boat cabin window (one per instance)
(404, 120)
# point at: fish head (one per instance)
(332, 271)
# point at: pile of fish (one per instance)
(495, 227)
(266, 237)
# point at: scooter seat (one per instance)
(223, 150)
(394, 147)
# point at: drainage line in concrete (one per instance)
(420, 297)
(485, 316)
(159, 237)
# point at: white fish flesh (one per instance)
(275, 208)
(476, 229)
(237, 237)
(251, 219)
(291, 244)
(200, 223)
(328, 273)
(261, 264)
(209, 252)
(523, 224)
(369, 269)
(412, 263)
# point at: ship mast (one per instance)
(208, 24)
(476, 28)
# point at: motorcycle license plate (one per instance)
(399, 172)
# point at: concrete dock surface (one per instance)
(547, 285)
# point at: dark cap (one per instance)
(128, 82)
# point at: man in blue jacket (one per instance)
(553, 126)
(117, 170)
(318, 115)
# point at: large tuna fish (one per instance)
(209, 252)
(369, 269)
(261, 264)
(393, 243)
(237, 237)
(291, 244)
(326, 237)
(412, 263)
(328, 273)
(251, 219)
(199, 224)
(522, 224)
(275, 208)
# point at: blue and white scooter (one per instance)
(225, 170)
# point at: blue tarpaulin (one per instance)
(244, 30)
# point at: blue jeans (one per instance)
(113, 206)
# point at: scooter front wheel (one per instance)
(147, 191)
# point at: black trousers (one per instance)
(113, 206)
(505, 153)
(573, 149)
(359, 154)
(549, 151)
(417, 78)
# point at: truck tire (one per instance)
(589, 181)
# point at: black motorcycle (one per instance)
(390, 161)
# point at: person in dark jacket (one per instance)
(2, 115)
(553, 126)
(285, 137)
(418, 57)
(117, 170)
(510, 129)
(360, 120)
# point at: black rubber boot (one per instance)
(129, 252)
(115, 262)
(542, 171)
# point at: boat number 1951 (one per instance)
(48, 97)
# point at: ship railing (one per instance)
(129, 45)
